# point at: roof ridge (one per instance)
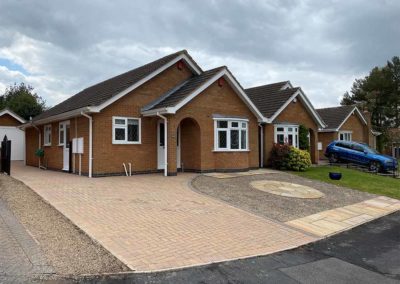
(341, 106)
(265, 85)
(141, 66)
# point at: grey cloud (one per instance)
(314, 43)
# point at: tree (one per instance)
(22, 100)
(379, 93)
(304, 142)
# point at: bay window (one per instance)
(231, 135)
(126, 130)
(287, 134)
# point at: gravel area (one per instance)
(238, 192)
(67, 248)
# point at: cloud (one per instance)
(321, 46)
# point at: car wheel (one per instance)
(375, 166)
(333, 158)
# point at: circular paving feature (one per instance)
(286, 189)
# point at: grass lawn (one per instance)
(355, 179)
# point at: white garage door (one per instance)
(17, 138)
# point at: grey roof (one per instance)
(103, 91)
(270, 98)
(335, 116)
(176, 95)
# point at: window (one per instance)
(126, 130)
(61, 133)
(47, 135)
(231, 135)
(345, 135)
(287, 134)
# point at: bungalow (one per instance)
(345, 123)
(284, 109)
(165, 116)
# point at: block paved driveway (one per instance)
(153, 223)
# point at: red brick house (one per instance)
(284, 109)
(164, 116)
(345, 123)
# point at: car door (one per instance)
(357, 153)
(343, 151)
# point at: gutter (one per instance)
(165, 143)
(90, 142)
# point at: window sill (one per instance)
(46, 145)
(229, 151)
(60, 145)
(126, 143)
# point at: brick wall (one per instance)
(325, 138)
(8, 120)
(53, 158)
(214, 100)
(295, 113)
(355, 124)
(108, 157)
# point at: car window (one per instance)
(358, 148)
(343, 145)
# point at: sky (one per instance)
(62, 47)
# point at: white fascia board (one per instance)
(307, 103)
(14, 115)
(245, 98)
(62, 116)
(235, 86)
(147, 78)
(312, 109)
(156, 111)
(272, 118)
(355, 109)
(328, 129)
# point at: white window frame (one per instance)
(62, 126)
(228, 134)
(345, 133)
(285, 132)
(115, 126)
(47, 134)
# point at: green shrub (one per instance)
(285, 157)
(304, 143)
(39, 153)
(297, 160)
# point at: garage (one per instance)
(9, 123)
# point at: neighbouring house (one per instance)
(284, 109)
(392, 146)
(168, 115)
(9, 123)
(345, 123)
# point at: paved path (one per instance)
(20, 256)
(333, 221)
(151, 222)
(369, 253)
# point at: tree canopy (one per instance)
(379, 93)
(22, 100)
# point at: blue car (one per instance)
(359, 153)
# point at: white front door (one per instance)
(160, 145)
(64, 141)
